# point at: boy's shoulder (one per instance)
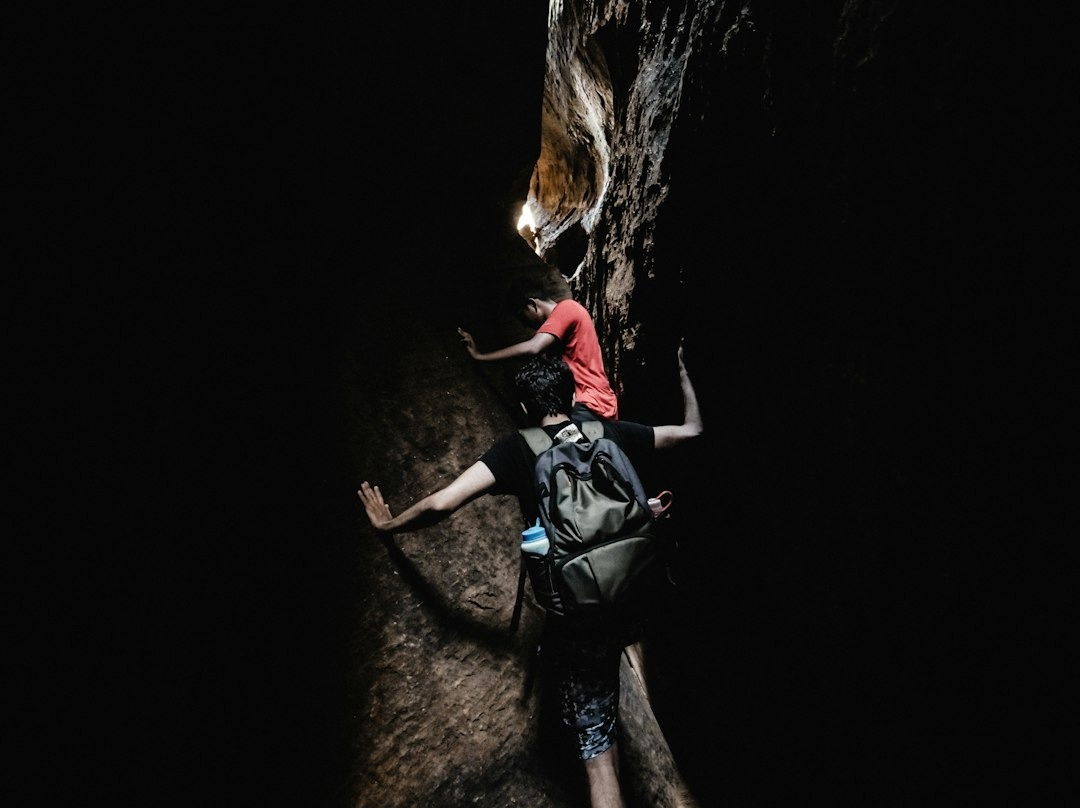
(569, 305)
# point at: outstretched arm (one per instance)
(470, 484)
(692, 425)
(536, 344)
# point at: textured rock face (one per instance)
(818, 197)
(615, 73)
(778, 187)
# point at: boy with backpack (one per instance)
(585, 657)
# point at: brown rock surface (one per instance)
(261, 234)
(439, 679)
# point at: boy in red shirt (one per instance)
(561, 320)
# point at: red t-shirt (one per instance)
(571, 324)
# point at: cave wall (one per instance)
(791, 191)
(813, 197)
(260, 234)
(435, 679)
(843, 125)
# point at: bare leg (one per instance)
(602, 773)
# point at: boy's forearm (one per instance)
(509, 352)
(691, 411)
(419, 515)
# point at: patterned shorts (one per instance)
(587, 672)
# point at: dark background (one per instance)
(214, 208)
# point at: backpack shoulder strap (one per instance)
(592, 429)
(539, 440)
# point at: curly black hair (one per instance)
(548, 287)
(545, 385)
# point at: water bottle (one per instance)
(660, 503)
(534, 549)
(534, 540)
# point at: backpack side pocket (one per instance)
(543, 583)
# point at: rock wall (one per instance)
(785, 189)
(436, 689)
(263, 232)
(796, 191)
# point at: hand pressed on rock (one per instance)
(378, 512)
(467, 338)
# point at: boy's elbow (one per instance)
(441, 504)
(669, 436)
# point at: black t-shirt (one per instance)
(511, 460)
